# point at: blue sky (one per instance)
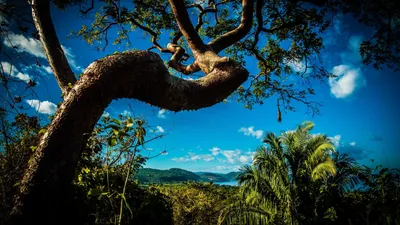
(360, 109)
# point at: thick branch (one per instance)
(239, 32)
(140, 75)
(186, 26)
(51, 45)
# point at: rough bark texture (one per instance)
(137, 74)
(51, 45)
(45, 189)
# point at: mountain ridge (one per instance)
(172, 175)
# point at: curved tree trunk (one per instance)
(44, 192)
(138, 74)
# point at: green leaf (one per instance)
(95, 192)
(112, 142)
(116, 121)
(33, 148)
(42, 131)
(116, 132)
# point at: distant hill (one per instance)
(148, 175)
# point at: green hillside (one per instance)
(148, 175)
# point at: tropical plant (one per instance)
(281, 184)
(277, 33)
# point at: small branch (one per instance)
(239, 32)
(84, 12)
(186, 26)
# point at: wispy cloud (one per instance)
(194, 157)
(349, 80)
(350, 77)
(32, 46)
(162, 114)
(44, 107)
(249, 131)
(233, 156)
(224, 168)
(126, 113)
(215, 151)
(105, 114)
(356, 152)
(71, 59)
(159, 129)
(353, 143)
(24, 44)
(336, 140)
(13, 71)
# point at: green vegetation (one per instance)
(152, 176)
(90, 168)
(296, 178)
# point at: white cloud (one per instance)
(7, 68)
(105, 114)
(299, 67)
(33, 47)
(47, 69)
(349, 79)
(223, 168)
(215, 151)
(205, 157)
(352, 55)
(126, 113)
(159, 129)
(335, 140)
(44, 107)
(71, 59)
(232, 155)
(187, 78)
(194, 157)
(251, 132)
(162, 113)
(353, 143)
(181, 159)
(24, 44)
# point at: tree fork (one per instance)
(140, 75)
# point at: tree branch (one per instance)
(239, 32)
(51, 45)
(186, 26)
(140, 75)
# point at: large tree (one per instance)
(261, 30)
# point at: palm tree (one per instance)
(284, 171)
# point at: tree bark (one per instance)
(44, 192)
(51, 45)
(138, 74)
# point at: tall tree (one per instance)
(142, 75)
(281, 185)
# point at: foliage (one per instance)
(279, 185)
(18, 140)
(198, 203)
(104, 190)
(295, 179)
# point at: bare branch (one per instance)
(186, 26)
(88, 9)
